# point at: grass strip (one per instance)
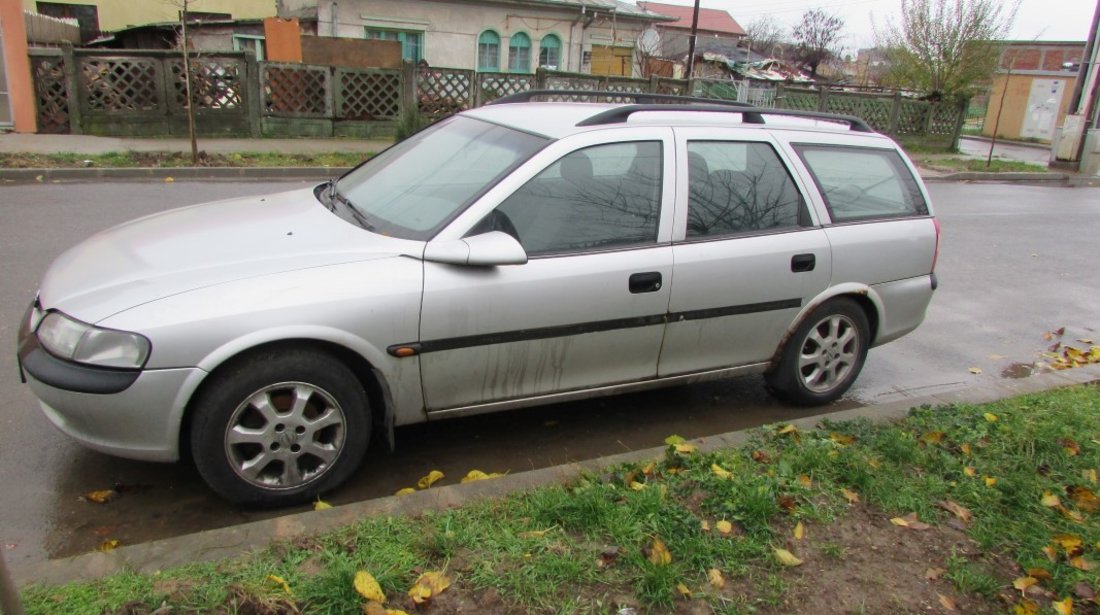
(131, 159)
(1012, 482)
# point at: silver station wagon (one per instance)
(517, 254)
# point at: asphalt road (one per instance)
(1015, 262)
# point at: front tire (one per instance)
(280, 427)
(824, 355)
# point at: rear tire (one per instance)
(280, 427)
(824, 356)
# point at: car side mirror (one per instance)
(484, 250)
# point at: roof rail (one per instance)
(639, 97)
(749, 115)
(648, 102)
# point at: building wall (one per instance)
(1037, 55)
(116, 14)
(18, 90)
(451, 29)
(1014, 109)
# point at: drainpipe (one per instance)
(332, 18)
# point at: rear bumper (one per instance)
(904, 303)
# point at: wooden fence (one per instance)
(142, 93)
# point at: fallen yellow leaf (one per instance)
(475, 475)
(964, 448)
(719, 471)
(799, 531)
(636, 486)
(674, 440)
(368, 587)
(1051, 552)
(649, 467)
(805, 481)
(989, 481)
(432, 478)
(1070, 543)
(1050, 500)
(321, 505)
(970, 471)
(428, 585)
(704, 525)
(100, 497)
(1070, 447)
(786, 558)
(842, 439)
(1023, 583)
(1090, 475)
(851, 496)
(975, 370)
(714, 576)
(1081, 563)
(992, 418)
(109, 545)
(946, 602)
(934, 573)
(684, 449)
(405, 491)
(169, 180)
(534, 533)
(281, 582)
(786, 429)
(684, 591)
(724, 527)
(961, 512)
(932, 437)
(658, 553)
(1041, 574)
(1026, 607)
(1064, 607)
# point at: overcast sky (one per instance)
(1052, 20)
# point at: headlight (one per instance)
(71, 339)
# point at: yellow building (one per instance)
(97, 16)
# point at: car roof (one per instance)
(556, 120)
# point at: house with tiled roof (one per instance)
(518, 36)
(675, 36)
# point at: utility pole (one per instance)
(694, 36)
(1088, 106)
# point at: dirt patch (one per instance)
(864, 564)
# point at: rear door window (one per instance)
(739, 187)
(862, 183)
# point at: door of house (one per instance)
(612, 61)
(1042, 109)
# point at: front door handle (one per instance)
(649, 282)
(802, 262)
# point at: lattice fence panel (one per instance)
(945, 116)
(709, 88)
(875, 112)
(912, 117)
(216, 84)
(368, 95)
(672, 87)
(296, 89)
(51, 94)
(626, 86)
(444, 91)
(121, 85)
(802, 100)
(573, 84)
(497, 85)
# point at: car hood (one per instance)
(204, 245)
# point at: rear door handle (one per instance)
(648, 282)
(803, 262)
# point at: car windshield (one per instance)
(414, 188)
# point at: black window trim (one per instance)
(901, 168)
(804, 203)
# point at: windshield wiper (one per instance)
(335, 196)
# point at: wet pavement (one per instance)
(1015, 263)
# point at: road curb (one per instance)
(238, 540)
(163, 173)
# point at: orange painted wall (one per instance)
(20, 87)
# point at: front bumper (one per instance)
(127, 413)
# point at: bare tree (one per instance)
(765, 34)
(817, 36)
(183, 42)
(946, 48)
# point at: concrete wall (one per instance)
(451, 29)
(19, 89)
(1014, 109)
(353, 53)
(116, 14)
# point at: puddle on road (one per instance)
(1018, 370)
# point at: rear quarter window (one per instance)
(863, 183)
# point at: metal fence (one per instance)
(144, 93)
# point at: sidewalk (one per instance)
(978, 147)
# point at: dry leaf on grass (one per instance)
(659, 554)
(428, 586)
(786, 558)
(799, 531)
(961, 512)
(851, 496)
(1063, 607)
(715, 578)
(100, 497)
(368, 587)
